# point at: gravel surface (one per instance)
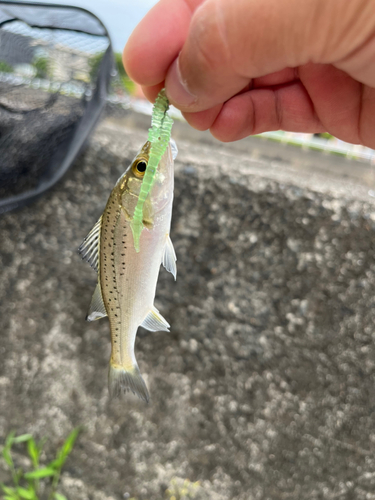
(263, 389)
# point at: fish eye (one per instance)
(139, 168)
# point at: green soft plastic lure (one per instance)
(159, 136)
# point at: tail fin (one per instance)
(121, 381)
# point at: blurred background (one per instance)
(119, 16)
(264, 387)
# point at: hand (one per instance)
(242, 67)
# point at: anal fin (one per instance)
(154, 322)
(97, 307)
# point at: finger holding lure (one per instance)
(126, 247)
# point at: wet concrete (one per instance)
(263, 389)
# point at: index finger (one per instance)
(157, 40)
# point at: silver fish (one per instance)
(127, 279)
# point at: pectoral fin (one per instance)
(97, 307)
(155, 322)
(174, 149)
(169, 258)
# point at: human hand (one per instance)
(242, 67)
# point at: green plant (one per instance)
(5, 67)
(94, 63)
(128, 84)
(96, 59)
(26, 484)
(41, 65)
(119, 66)
(123, 78)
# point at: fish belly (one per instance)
(129, 279)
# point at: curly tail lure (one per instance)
(159, 136)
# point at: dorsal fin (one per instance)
(89, 249)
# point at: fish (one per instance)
(127, 277)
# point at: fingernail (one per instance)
(176, 87)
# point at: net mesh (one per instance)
(55, 68)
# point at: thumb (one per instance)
(231, 42)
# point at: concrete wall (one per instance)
(264, 388)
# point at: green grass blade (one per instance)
(18, 473)
(22, 438)
(27, 494)
(57, 463)
(58, 496)
(41, 444)
(39, 473)
(7, 490)
(7, 457)
(34, 452)
(68, 444)
(9, 440)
